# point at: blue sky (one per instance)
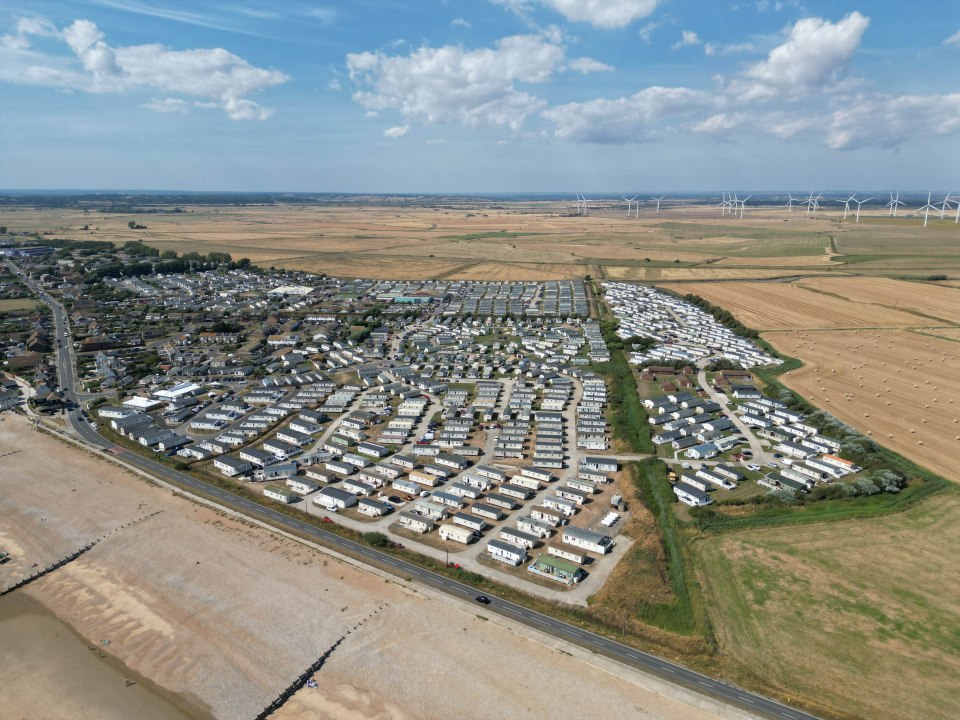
(479, 96)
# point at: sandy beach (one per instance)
(223, 615)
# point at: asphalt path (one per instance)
(625, 654)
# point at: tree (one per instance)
(3, 229)
(132, 224)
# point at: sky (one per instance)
(479, 96)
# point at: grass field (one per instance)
(17, 304)
(533, 240)
(859, 618)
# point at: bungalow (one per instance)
(584, 486)
(373, 449)
(355, 486)
(260, 458)
(408, 487)
(567, 552)
(690, 495)
(416, 523)
(569, 493)
(540, 528)
(302, 485)
(341, 468)
(599, 464)
(451, 499)
(592, 476)
(423, 478)
(481, 483)
(795, 450)
(356, 460)
(839, 462)
(527, 482)
(519, 538)
(404, 461)
(457, 533)
(503, 501)
(373, 508)
(390, 470)
(490, 472)
(334, 498)
(428, 508)
(231, 467)
(728, 472)
(293, 437)
(281, 494)
(567, 507)
(280, 448)
(278, 472)
(324, 476)
(464, 490)
(469, 521)
(702, 451)
(587, 539)
(515, 491)
(715, 478)
(537, 474)
(488, 511)
(556, 569)
(552, 516)
(506, 553)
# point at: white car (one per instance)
(754, 467)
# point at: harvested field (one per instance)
(900, 387)
(225, 614)
(860, 616)
(930, 301)
(788, 306)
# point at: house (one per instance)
(568, 552)
(503, 501)
(703, 451)
(373, 508)
(599, 464)
(470, 521)
(490, 472)
(515, 491)
(569, 493)
(431, 509)
(520, 538)
(587, 539)
(690, 495)
(567, 507)
(279, 472)
(416, 523)
(231, 467)
(506, 553)
(457, 533)
(490, 512)
(551, 516)
(280, 494)
(302, 485)
(356, 486)
(537, 474)
(556, 568)
(540, 528)
(372, 449)
(334, 498)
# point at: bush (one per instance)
(377, 539)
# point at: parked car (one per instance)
(772, 464)
(754, 467)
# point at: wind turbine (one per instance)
(629, 204)
(859, 203)
(658, 199)
(723, 202)
(743, 205)
(846, 205)
(943, 207)
(790, 202)
(893, 204)
(926, 210)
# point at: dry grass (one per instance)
(858, 617)
(900, 387)
(789, 306)
(941, 303)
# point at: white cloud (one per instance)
(586, 65)
(212, 75)
(605, 14)
(687, 39)
(334, 84)
(719, 50)
(396, 132)
(461, 23)
(888, 121)
(953, 39)
(815, 51)
(624, 120)
(167, 105)
(451, 84)
(646, 31)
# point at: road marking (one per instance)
(705, 684)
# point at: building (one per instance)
(506, 553)
(690, 495)
(587, 540)
(416, 523)
(373, 508)
(302, 485)
(334, 498)
(232, 467)
(457, 533)
(556, 568)
(280, 494)
(599, 464)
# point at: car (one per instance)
(754, 467)
(482, 599)
(747, 453)
(425, 493)
(778, 455)
(772, 464)
(394, 499)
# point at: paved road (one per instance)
(618, 651)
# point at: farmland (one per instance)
(900, 387)
(859, 617)
(523, 240)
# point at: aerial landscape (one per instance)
(519, 358)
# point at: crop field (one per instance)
(531, 240)
(788, 306)
(858, 617)
(900, 387)
(927, 300)
(17, 304)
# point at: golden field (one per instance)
(532, 240)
